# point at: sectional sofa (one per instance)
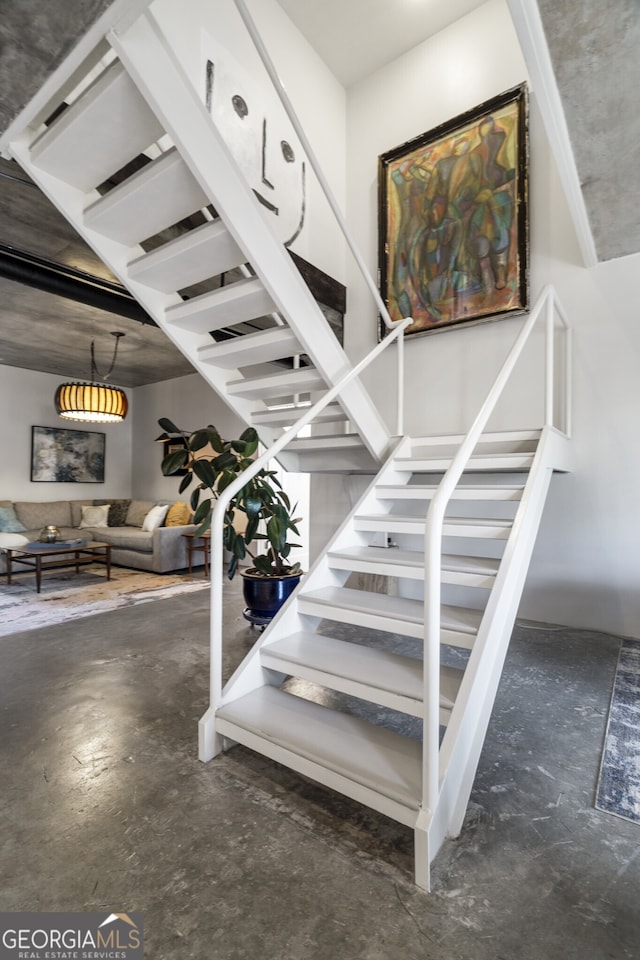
(160, 550)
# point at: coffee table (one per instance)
(52, 556)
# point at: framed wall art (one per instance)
(67, 456)
(453, 221)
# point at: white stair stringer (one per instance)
(154, 102)
(321, 640)
(462, 744)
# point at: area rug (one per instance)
(619, 783)
(68, 596)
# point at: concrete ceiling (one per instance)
(593, 48)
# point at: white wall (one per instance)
(26, 398)
(586, 565)
(190, 403)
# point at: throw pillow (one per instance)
(12, 540)
(9, 522)
(117, 512)
(95, 516)
(154, 518)
(138, 509)
(179, 514)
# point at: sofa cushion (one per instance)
(138, 509)
(126, 538)
(179, 514)
(38, 515)
(9, 522)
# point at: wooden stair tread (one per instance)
(280, 384)
(224, 307)
(370, 673)
(465, 570)
(105, 128)
(398, 613)
(284, 416)
(370, 755)
(204, 252)
(493, 462)
(262, 347)
(453, 526)
(487, 491)
(335, 441)
(157, 196)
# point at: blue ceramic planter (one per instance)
(265, 595)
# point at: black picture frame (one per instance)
(453, 244)
(67, 456)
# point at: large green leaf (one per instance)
(204, 509)
(253, 506)
(215, 439)
(226, 460)
(174, 461)
(168, 426)
(185, 482)
(205, 472)
(251, 529)
(199, 439)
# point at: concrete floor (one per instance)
(106, 808)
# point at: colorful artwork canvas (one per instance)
(453, 242)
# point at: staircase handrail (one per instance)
(225, 497)
(435, 522)
(313, 160)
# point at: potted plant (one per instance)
(262, 504)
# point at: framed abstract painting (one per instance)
(67, 456)
(453, 219)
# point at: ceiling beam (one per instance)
(62, 281)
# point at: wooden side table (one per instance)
(198, 545)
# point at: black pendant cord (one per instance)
(95, 374)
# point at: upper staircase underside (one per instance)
(138, 166)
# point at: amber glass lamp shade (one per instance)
(91, 402)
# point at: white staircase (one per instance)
(331, 686)
(156, 231)
(383, 695)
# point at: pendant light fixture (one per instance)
(93, 402)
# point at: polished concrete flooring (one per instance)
(106, 808)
